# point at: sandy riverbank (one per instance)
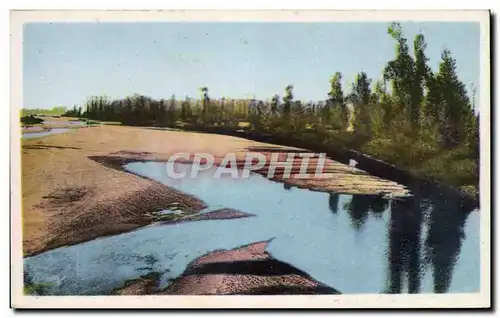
(51, 123)
(73, 188)
(247, 270)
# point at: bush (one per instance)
(451, 168)
(31, 120)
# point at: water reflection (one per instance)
(444, 240)
(378, 206)
(360, 206)
(445, 233)
(405, 227)
(333, 202)
(414, 245)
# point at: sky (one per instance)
(65, 63)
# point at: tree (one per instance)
(185, 109)
(360, 99)
(287, 101)
(400, 72)
(422, 75)
(172, 112)
(455, 111)
(384, 109)
(256, 113)
(206, 102)
(411, 108)
(161, 112)
(299, 119)
(336, 101)
(275, 104)
(361, 91)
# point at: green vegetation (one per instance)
(34, 289)
(414, 118)
(31, 120)
(55, 111)
(75, 112)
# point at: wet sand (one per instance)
(247, 270)
(335, 176)
(145, 285)
(74, 189)
(32, 129)
(111, 201)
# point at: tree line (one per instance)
(412, 117)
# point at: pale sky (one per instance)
(64, 63)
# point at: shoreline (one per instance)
(75, 189)
(372, 165)
(78, 183)
(245, 270)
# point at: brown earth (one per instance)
(73, 188)
(144, 285)
(220, 214)
(247, 270)
(333, 177)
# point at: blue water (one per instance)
(356, 244)
(52, 131)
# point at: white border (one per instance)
(482, 299)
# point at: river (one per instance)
(353, 243)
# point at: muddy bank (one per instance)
(84, 217)
(335, 177)
(220, 214)
(318, 175)
(89, 220)
(247, 270)
(144, 285)
(30, 129)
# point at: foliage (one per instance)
(31, 120)
(55, 111)
(75, 112)
(413, 118)
(32, 288)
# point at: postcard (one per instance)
(213, 159)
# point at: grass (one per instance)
(244, 124)
(34, 289)
(98, 122)
(452, 167)
(55, 111)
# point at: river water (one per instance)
(353, 243)
(49, 132)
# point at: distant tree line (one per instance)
(74, 112)
(31, 120)
(412, 117)
(54, 111)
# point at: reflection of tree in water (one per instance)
(333, 202)
(404, 244)
(442, 245)
(378, 205)
(360, 205)
(444, 240)
(358, 210)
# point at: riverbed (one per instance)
(52, 131)
(353, 243)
